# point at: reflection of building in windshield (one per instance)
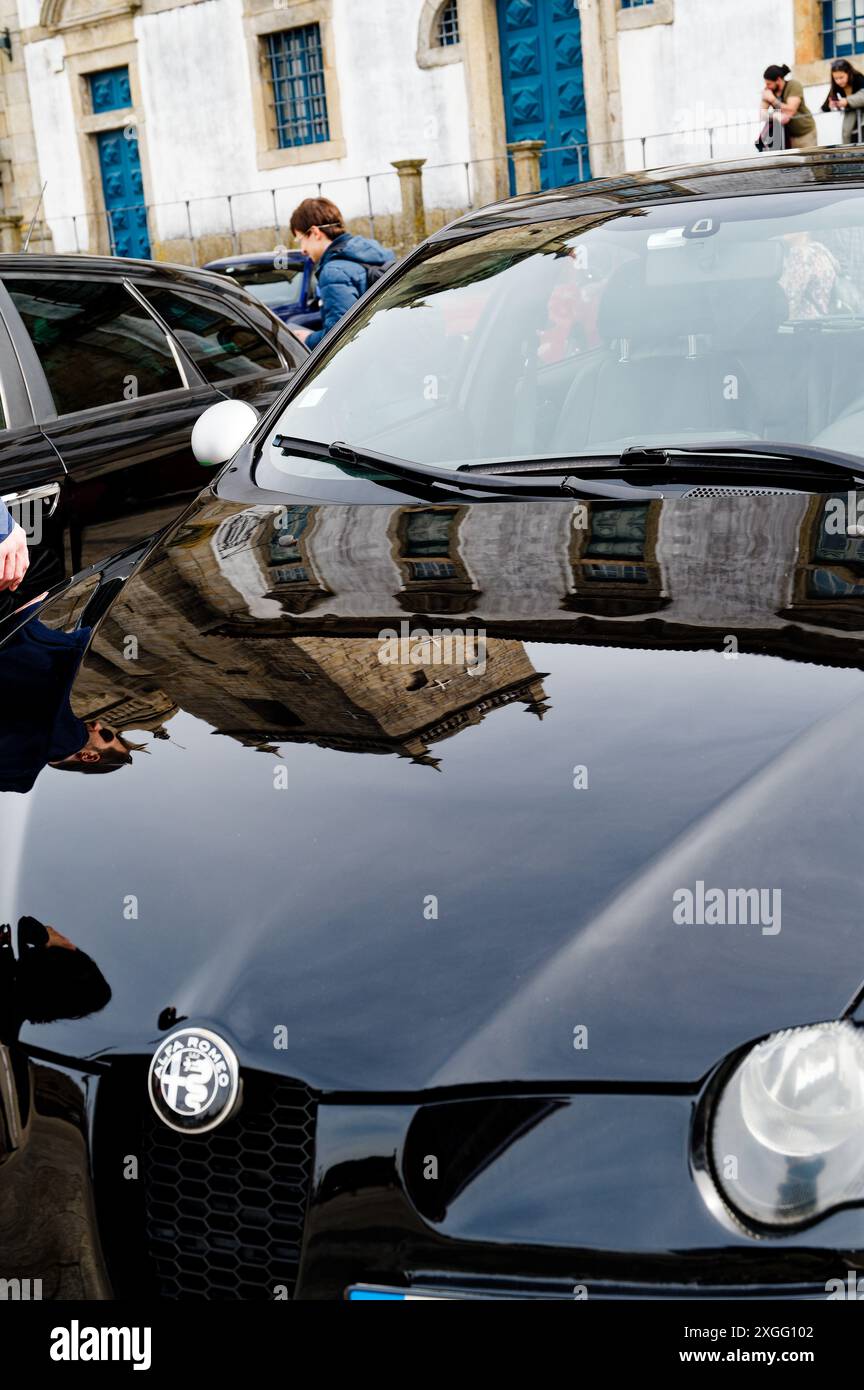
(829, 576)
(294, 580)
(435, 578)
(221, 636)
(613, 556)
(257, 680)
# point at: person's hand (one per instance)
(301, 333)
(841, 103)
(14, 560)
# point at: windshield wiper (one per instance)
(774, 464)
(785, 462)
(474, 478)
(751, 462)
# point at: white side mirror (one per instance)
(220, 431)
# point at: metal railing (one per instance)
(373, 199)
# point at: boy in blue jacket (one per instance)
(347, 264)
(13, 550)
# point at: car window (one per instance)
(274, 288)
(96, 343)
(221, 343)
(684, 322)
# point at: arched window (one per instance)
(448, 25)
(438, 37)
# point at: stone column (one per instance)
(808, 32)
(478, 28)
(526, 164)
(410, 173)
(602, 83)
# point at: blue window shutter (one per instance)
(296, 61)
(110, 90)
(842, 28)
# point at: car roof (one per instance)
(14, 261)
(254, 258)
(832, 166)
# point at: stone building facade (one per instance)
(214, 627)
(187, 129)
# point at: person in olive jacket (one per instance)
(347, 265)
(783, 99)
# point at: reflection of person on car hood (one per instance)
(37, 726)
(51, 978)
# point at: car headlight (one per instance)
(787, 1143)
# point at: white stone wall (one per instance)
(703, 70)
(198, 116)
(197, 100)
(393, 109)
(28, 13)
(56, 144)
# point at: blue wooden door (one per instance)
(120, 167)
(544, 90)
(123, 191)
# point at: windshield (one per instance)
(272, 287)
(693, 322)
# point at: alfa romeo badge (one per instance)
(194, 1080)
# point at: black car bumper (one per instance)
(300, 1196)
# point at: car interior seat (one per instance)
(669, 367)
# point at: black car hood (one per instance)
(386, 877)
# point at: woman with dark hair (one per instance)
(847, 95)
(783, 98)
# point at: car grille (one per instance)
(708, 492)
(218, 1215)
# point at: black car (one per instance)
(283, 280)
(105, 364)
(471, 909)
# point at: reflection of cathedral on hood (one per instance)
(37, 669)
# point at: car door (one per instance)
(32, 478)
(308, 310)
(120, 397)
(233, 340)
(116, 402)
